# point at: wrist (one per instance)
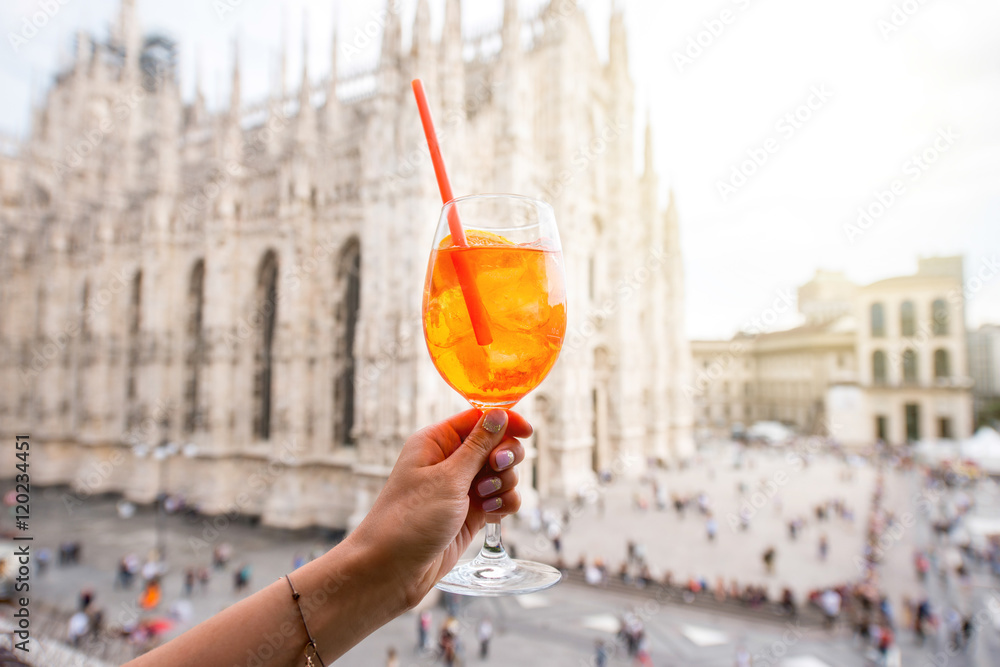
(374, 572)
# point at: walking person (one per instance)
(423, 630)
(79, 623)
(448, 645)
(768, 558)
(600, 654)
(392, 660)
(485, 635)
(830, 602)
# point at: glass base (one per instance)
(491, 577)
(486, 406)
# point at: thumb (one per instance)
(475, 450)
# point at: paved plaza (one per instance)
(560, 626)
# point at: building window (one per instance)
(941, 365)
(909, 367)
(882, 428)
(878, 367)
(912, 413)
(195, 352)
(591, 279)
(944, 428)
(134, 327)
(908, 319)
(267, 307)
(878, 320)
(349, 280)
(939, 311)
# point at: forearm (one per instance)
(344, 598)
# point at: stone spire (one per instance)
(509, 174)
(452, 63)
(618, 47)
(306, 124)
(235, 91)
(82, 57)
(283, 60)
(332, 101)
(392, 38)
(198, 111)
(650, 186)
(511, 31)
(129, 37)
(233, 133)
(423, 44)
(649, 171)
(167, 133)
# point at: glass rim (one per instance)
(538, 203)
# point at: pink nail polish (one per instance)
(505, 459)
(495, 421)
(489, 486)
(492, 505)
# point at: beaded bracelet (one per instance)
(312, 642)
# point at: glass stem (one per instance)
(493, 547)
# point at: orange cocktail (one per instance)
(523, 290)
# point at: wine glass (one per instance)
(513, 249)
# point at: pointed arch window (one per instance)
(266, 314)
(349, 287)
(134, 327)
(194, 353)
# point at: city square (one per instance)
(562, 625)
(722, 291)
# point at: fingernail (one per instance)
(492, 505)
(488, 486)
(505, 459)
(495, 421)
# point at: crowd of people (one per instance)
(450, 647)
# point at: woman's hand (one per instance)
(448, 479)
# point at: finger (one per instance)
(475, 449)
(494, 484)
(508, 453)
(517, 425)
(502, 505)
(464, 422)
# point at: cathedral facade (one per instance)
(226, 305)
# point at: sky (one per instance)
(775, 121)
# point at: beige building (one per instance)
(248, 282)
(984, 364)
(886, 360)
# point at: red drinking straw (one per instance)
(462, 261)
